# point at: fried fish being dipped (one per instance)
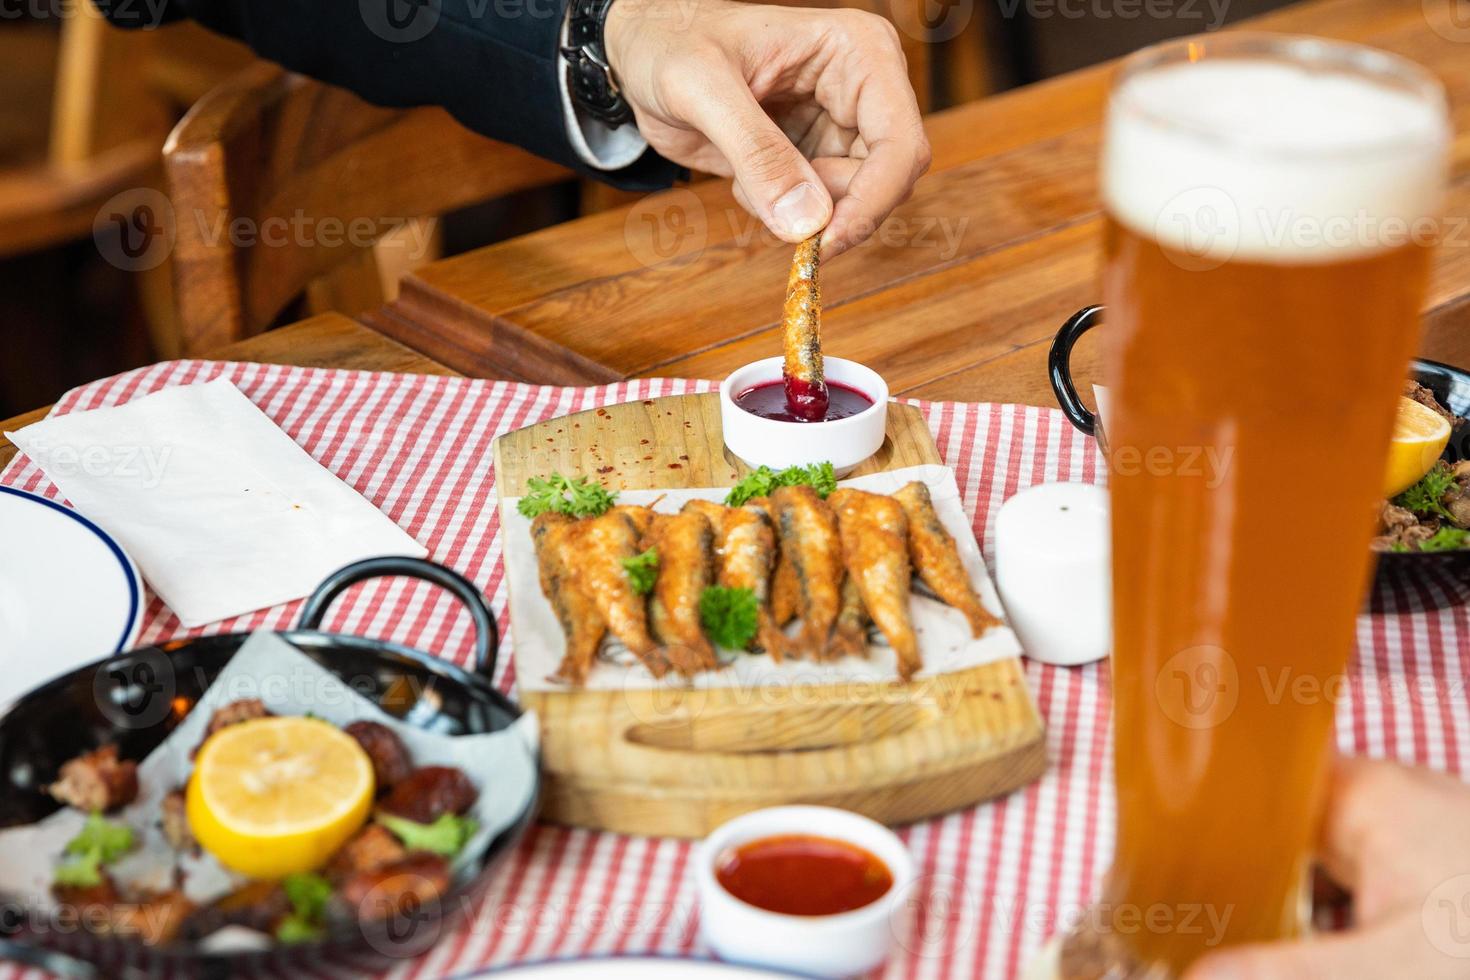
(809, 540)
(685, 546)
(801, 335)
(850, 632)
(745, 549)
(874, 531)
(580, 621)
(596, 549)
(937, 560)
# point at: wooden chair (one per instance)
(282, 186)
(86, 111)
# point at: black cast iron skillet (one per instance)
(1449, 384)
(135, 699)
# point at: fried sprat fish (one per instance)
(850, 632)
(937, 560)
(801, 335)
(580, 621)
(809, 540)
(685, 546)
(745, 549)
(874, 531)
(596, 547)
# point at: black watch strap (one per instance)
(590, 79)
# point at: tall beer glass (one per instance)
(1269, 202)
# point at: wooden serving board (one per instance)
(679, 762)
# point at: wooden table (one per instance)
(329, 340)
(684, 283)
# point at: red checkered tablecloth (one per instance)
(995, 880)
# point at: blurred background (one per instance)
(87, 110)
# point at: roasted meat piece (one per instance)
(154, 919)
(96, 780)
(1425, 397)
(246, 709)
(391, 761)
(430, 792)
(259, 905)
(370, 848)
(175, 821)
(397, 888)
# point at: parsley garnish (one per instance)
(579, 498)
(1446, 539)
(642, 571)
(1424, 497)
(100, 841)
(729, 616)
(818, 476)
(444, 836)
(308, 894)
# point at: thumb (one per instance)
(1398, 947)
(776, 181)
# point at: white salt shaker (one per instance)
(1052, 569)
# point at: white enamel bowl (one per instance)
(841, 945)
(768, 442)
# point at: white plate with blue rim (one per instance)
(625, 968)
(69, 594)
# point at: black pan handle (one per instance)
(1059, 367)
(487, 637)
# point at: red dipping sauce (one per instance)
(801, 874)
(768, 400)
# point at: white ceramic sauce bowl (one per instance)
(840, 945)
(768, 442)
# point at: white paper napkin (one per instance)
(222, 511)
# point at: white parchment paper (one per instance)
(944, 635)
(501, 764)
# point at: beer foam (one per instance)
(1267, 160)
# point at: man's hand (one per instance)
(1399, 840)
(801, 107)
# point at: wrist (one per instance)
(616, 31)
(590, 78)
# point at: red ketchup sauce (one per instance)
(801, 874)
(769, 401)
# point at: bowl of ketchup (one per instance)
(767, 422)
(810, 889)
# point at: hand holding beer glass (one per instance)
(1270, 205)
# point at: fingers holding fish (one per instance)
(937, 560)
(874, 533)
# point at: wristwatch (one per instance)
(590, 79)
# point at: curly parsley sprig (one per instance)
(579, 498)
(729, 616)
(1424, 497)
(819, 476)
(642, 571)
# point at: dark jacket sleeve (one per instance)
(492, 63)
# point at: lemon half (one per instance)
(1419, 436)
(275, 796)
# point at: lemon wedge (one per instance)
(1419, 436)
(275, 796)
